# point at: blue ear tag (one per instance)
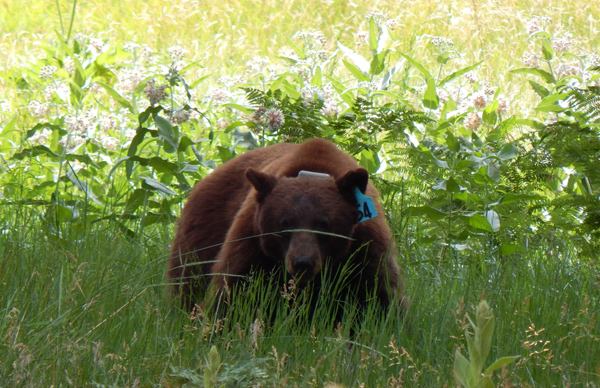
(366, 206)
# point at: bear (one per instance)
(289, 207)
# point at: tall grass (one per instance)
(93, 312)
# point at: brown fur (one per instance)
(260, 192)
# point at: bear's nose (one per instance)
(303, 264)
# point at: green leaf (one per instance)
(420, 67)
(358, 60)
(39, 126)
(499, 363)
(539, 89)
(132, 150)
(475, 356)
(478, 221)
(373, 35)
(240, 108)
(430, 99)
(485, 382)
(82, 186)
(153, 184)
(166, 132)
(489, 113)
(114, 94)
(196, 82)
(458, 73)
(135, 200)
(547, 51)
(378, 63)
(452, 142)
(428, 211)
(358, 74)
(547, 77)
(449, 185)
(370, 160)
(36, 151)
(485, 337)
(508, 151)
(317, 79)
(530, 123)
(462, 369)
(550, 103)
(297, 49)
(509, 249)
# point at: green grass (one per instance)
(93, 312)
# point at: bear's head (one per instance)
(304, 221)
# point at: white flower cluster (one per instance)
(537, 24)
(47, 71)
(177, 53)
(38, 109)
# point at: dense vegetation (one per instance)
(484, 142)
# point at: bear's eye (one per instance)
(285, 224)
(323, 225)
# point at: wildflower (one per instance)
(536, 24)
(479, 101)
(131, 47)
(180, 116)
(361, 37)
(531, 60)
(41, 137)
(472, 121)
(315, 38)
(443, 95)
(392, 24)
(222, 123)
(129, 79)
(155, 94)
(274, 119)
(38, 109)
(109, 143)
(566, 69)
(323, 55)
(107, 123)
(378, 16)
(176, 52)
(69, 65)
(96, 45)
(563, 43)
(62, 91)
(308, 93)
(47, 71)
(257, 116)
(592, 60)
(502, 104)
(330, 108)
(289, 53)
(77, 124)
(80, 37)
(441, 41)
(219, 95)
(471, 77)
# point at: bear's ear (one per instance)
(355, 178)
(263, 183)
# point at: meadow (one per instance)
(477, 120)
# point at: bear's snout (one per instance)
(303, 264)
(303, 258)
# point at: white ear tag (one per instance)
(312, 174)
(366, 206)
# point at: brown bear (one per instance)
(291, 206)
